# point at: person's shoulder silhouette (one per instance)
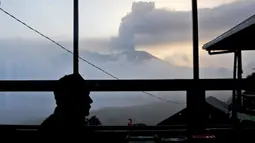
(73, 104)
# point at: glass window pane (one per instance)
(24, 54)
(25, 108)
(112, 108)
(219, 107)
(248, 63)
(115, 108)
(215, 18)
(147, 39)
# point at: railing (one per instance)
(195, 90)
(132, 85)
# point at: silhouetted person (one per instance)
(73, 104)
(130, 122)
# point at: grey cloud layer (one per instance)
(146, 25)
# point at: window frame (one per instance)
(195, 87)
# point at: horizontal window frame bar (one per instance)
(131, 85)
(150, 127)
(126, 129)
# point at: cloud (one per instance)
(43, 60)
(147, 25)
(178, 59)
(154, 29)
(222, 18)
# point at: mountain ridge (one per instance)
(149, 114)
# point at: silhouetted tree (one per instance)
(94, 121)
(251, 79)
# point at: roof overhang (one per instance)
(240, 37)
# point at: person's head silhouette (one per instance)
(72, 95)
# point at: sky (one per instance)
(129, 40)
(98, 18)
(100, 21)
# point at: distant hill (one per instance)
(149, 114)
